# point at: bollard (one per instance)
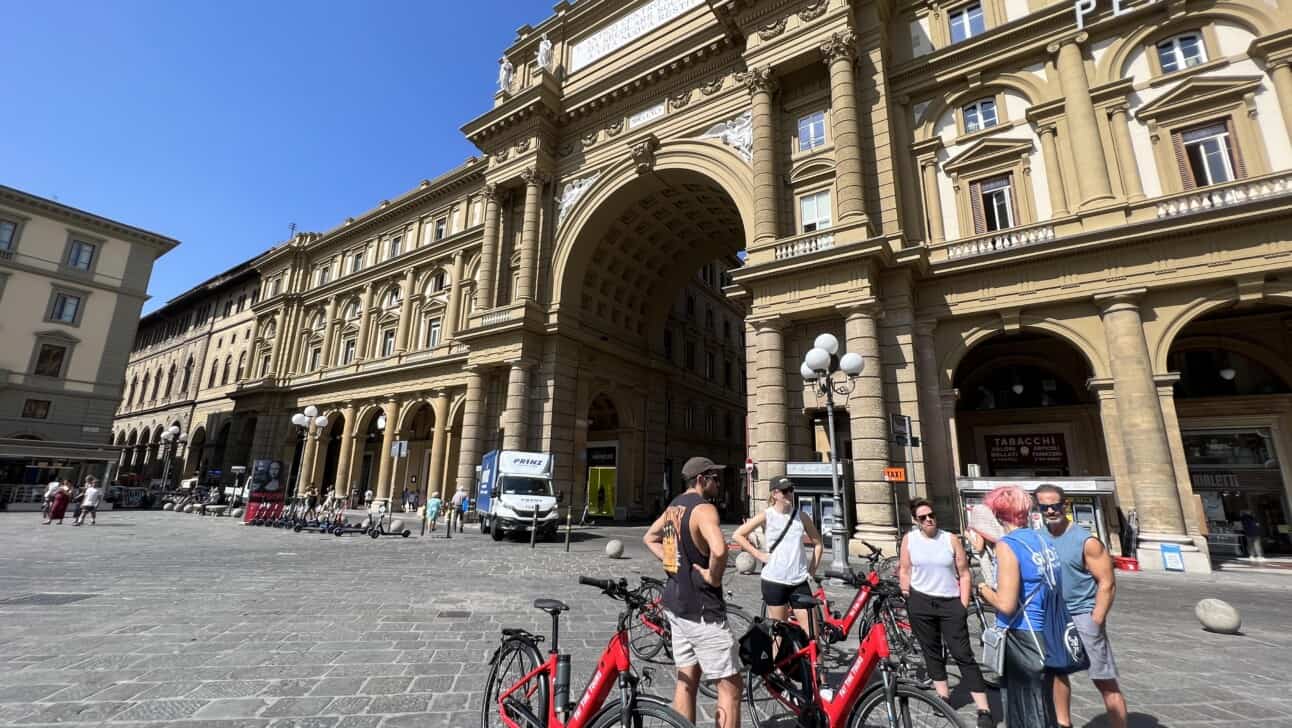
(569, 514)
(448, 523)
(533, 530)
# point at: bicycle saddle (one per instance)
(551, 606)
(803, 601)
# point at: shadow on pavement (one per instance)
(1133, 720)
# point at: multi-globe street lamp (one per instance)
(171, 439)
(819, 369)
(308, 420)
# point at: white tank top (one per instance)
(788, 563)
(933, 564)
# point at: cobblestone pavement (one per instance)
(161, 619)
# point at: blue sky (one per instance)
(221, 123)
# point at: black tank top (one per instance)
(687, 594)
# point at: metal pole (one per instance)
(910, 459)
(839, 547)
(166, 467)
(533, 531)
(569, 516)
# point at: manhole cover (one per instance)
(45, 600)
(454, 614)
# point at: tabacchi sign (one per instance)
(1082, 8)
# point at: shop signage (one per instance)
(1041, 450)
(1172, 557)
(1082, 8)
(626, 29)
(809, 470)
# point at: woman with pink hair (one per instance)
(1027, 689)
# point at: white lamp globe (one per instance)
(1018, 388)
(320, 421)
(174, 430)
(167, 436)
(311, 412)
(852, 364)
(818, 360)
(807, 373)
(381, 422)
(300, 420)
(827, 342)
(1228, 374)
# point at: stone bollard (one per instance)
(237, 513)
(168, 507)
(189, 508)
(614, 549)
(1218, 616)
(746, 563)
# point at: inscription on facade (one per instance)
(646, 116)
(626, 29)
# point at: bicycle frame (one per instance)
(615, 661)
(844, 625)
(870, 653)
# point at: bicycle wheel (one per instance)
(648, 626)
(778, 699)
(647, 712)
(514, 660)
(912, 708)
(738, 621)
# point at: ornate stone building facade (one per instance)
(1034, 233)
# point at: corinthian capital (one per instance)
(841, 45)
(534, 176)
(759, 79)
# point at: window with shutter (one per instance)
(1236, 151)
(975, 203)
(1186, 174)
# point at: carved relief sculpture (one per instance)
(571, 193)
(644, 153)
(737, 133)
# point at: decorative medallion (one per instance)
(589, 138)
(522, 146)
(771, 30)
(613, 128)
(565, 149)
(814, 10)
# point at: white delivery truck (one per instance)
(513, 487)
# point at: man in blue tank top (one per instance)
(1088, 590)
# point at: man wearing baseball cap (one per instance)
(688, 540)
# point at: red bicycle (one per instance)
(794, 693)
(526, 691)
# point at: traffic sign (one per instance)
(899, 424)
(895, 475)
(749, 464)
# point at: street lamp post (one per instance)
(172, 438)
(818, 370)
(309, 420)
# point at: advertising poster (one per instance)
(267, 487)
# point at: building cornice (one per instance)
(101, 224)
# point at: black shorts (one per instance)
(778, 595)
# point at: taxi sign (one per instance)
(895, 475)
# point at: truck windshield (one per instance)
(512, 485)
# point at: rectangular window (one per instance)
(690, 306)
(689, 422)
(274, 286)
(228, 308)
(437, 283)
(967, 22)
(979, 115)
(710, 366)
(50, 360)
(356, 262)
(264, 365)
(726, 330)
(35, 409)
(8, 230)
(325, 275)
(316, 358)
(80, 255)
(1182, 51)
(433, 334)
(388, 342)
(814, 211)
(726, 373)
(812, 131)
(441, 228)
(690, 356)
(393, 249)
(347, 351)
(65, 309)
(997, 200)
(242, 302)
(1209, 153)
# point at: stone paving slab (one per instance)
(200, 623)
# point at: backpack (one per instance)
(1064, 652)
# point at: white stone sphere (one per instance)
(168, 507)
(1218, 616)
(237, 513)
(746, 563)
(189, 508)
(615, 548)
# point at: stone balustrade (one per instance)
(805, 245)
(1235, 193)
(1001, 240)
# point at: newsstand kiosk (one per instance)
(1091, 502)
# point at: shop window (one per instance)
(1208, 155)
(993, 204)
(1183, 51)
(814, 211)
(812, 131)
(967, 22)
(980, 115)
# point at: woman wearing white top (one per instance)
(786, 569)
(934, 574)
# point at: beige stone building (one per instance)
(72, 285)
(1058, 241)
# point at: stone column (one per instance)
(385, 462)
(515, 416)
(346, 453)
(405, 312)
(526, 287)
(1111, 422)
(329, 335)
(488, 253)
(876, 521)
(840, 56)
(761, 83)
(1281, 74)
(1092, 169)
(1117, 115)
(769, 375)
(472, 434)
(1053, 171)
(933, 200)
(365, 305)
(449, 329)
(939, 471)
(435, 480)
(1148, 452)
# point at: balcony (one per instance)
(805, 245)
(999, 240)
(1233, 194)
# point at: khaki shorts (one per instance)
(711, 645)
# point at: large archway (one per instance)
(639, 275)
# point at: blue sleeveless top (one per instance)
(1079, 587)
(1030, 549)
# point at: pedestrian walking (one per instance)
(433, 506)
(935, 579)
(458, 502)
(47, 500)
(984, 532)
(786, 568)
(75, 502)
(1027, 688)
(90, 501)
(1089, 586)
(58, 504)
(1252, 530)
(367, 499)
(1132, 530)
(688, 539)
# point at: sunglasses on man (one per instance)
(1050, 507)
(922, 517)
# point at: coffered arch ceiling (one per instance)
(642, 244)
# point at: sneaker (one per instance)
(985, 720)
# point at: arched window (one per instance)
(393, 298)
(170, 381)
(156, 386)
(188, 375)
(215, 369)
(351, 311)
(130, 390)
(242, 365)
(139, 393)
(319, 322)
(228, 365)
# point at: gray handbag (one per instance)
(993, 639)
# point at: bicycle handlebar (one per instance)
(602, 584)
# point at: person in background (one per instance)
(48, 499)
(786, 568)
(58, 504)
(983, 532)
(433, 507)
(1252, 530)
(935, 579)
(367, 499)
(90, 501)
(1088, 590)
(1027, 687)
(459, 502)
